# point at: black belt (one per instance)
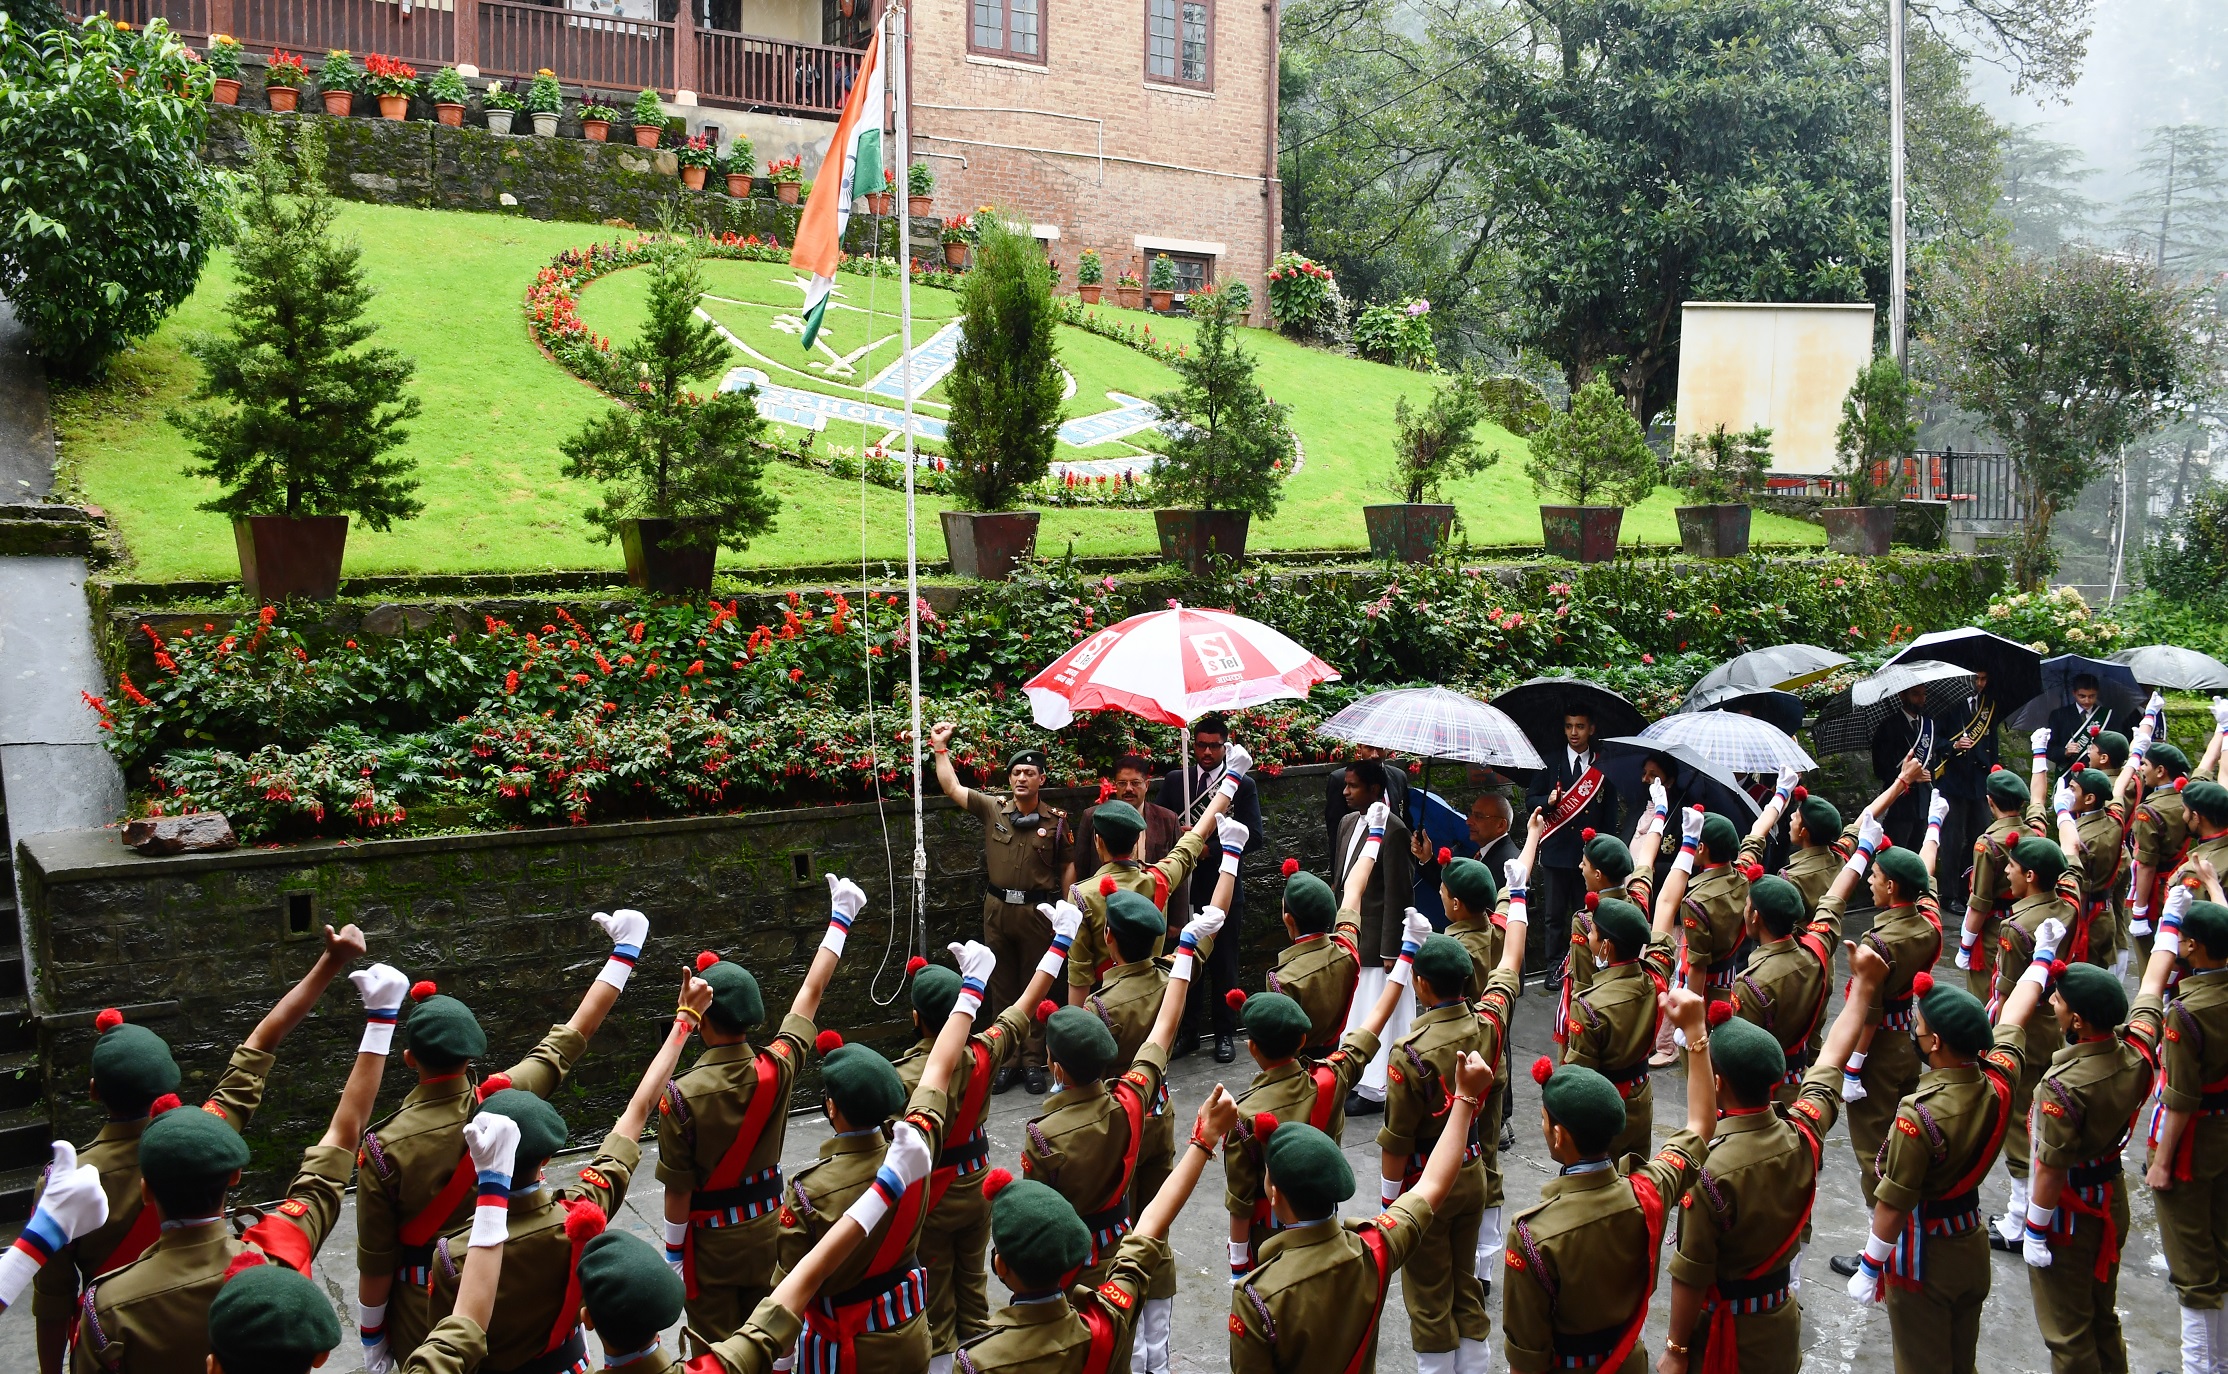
(413, 1256)
(967, 1155)
(749, 1194)
(2212, 1102)
(563, 1358)
(1588, 1346)
(2094, 1172)
(1762, 1286)
(1030, 896)
(874, 1285)
(1117, 1215)
(1955, 1205)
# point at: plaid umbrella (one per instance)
(2171, 668)
(1846, 724)
(1740, 744)
(1434, 723)
(1782, 667)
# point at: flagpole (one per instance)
(894, 49)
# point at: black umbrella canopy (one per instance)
(1783, 709)
(2014, 670)
(1692, 780)
(2116, 688)
(2171, 668)
(1538, 707)
(1846, 724)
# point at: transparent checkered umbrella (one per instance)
(1738, 743)
(1434, 723)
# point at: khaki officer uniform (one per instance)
(1745, 1219)
(1092, 954)
(1946, 1137)
(1048, 1336)
(1785, 989)
(1289, 1092)
(533, 1327)
(955, 1242)
(1446, 1303)
(1582, 1263)
(1909, 938)
(409, 1158)
(1308, 1304)
(729, 1258)
(1713, 912)
(115, 1152)
(1613, 1031)
(2196, 1080)
(877, 1299)
(2158, 834)
(1021, 868)
(1079, 1147)
(2103, 834)
(1320, 973)
(2016, 948)
(2085, 1110)
(152, 1315)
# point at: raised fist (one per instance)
(1236, 761)
(845, 898)
(908, 1155)
(975, 960)
(492, 1139)
(1066, 918)
(382, 987)
(1415, 928)
(1231, 834)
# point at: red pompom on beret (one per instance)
(1289, 867)
(1263, 1124)
(584, 1221)
(1587, 835)
(2078, 767)
(828, 1041)
(1046, 1008)
(1800, 793)
(1752, 870)
(1922, 983)
(705, 960)
(2057, 969)
(915, 965)
(994, 1182)
(1593, 901)
(1235, 999)
(1444, 855)
(422, 989)
(1543, 1069)
(108, 1020)
(491, 1085)
(1106, 887)
(168, 1102)
(1720, 1013)
(1995, 768)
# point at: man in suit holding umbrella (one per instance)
(2072, 724)
(1907, 732)
(1558, 853)
(1963, 778)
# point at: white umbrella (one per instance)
(1741, 744)
(1173, 667)
(1434, 723)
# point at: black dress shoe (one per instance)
(1226, 1049)
(1996, 1239)
(1007, 1077)
(1357, 1105)
(1508, 1136)
(1844, 1265)
(1037, 1080)
(1186, 1042)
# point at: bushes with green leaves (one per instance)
(1594, 453)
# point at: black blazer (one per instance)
(2067, 722)
(1245, 809)
(1560, 850)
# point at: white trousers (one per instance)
(1367, 989)
(1148, 1352)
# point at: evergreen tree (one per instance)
(1593, 453)
(2179, 217)
(2041, 197)
(1006, 388)
(293, 417)
(1225, 443)
(1876, 435)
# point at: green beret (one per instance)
(1274, 1023)
(1309, 900)
(2206, 923)
(1080, 1041)
(1609, 857)
(1906, 867)
(1037, 1232)
(1958, 1017)
(2008, 790)
(1472, 885)
(1779, 901)
(186, 1148)
(131, 1068)
(1133, 916)
(1308, 1167)
(269, 1317)
(541, 1130)
(1621, 922)
(627, 1286)
(736, 1000)
(2039, 856)
(444, 1027)
(2096, 782)
(864, 1085)
(1720, 836)
(2171, 758)
(1446, 962)
(2208, 799)
(935, 990)
(1584, 1103)
(1821, 818)
(1117, 821)
(2112, 744)
(2094, 994)
(1747, 1056)
(1030, 756)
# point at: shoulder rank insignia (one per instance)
(1114, 1295)
(594, 1178)
(1237, 1326)
(293, 1207)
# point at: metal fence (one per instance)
(1981, 488)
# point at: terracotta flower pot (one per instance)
(1583, 534)
(1866, 531)
(282, 98)
(955, 255)
(338, 102)
(1162, 301)
(987, 545)
(1129, 297)
(499, 121)
(595, 130)
(787, 192)
(656, 563)
(284, 556)
(449, 113)
(1091, 293)
(1196, 539)
(1407, 533)
(1716, 531)
(647, 135)
(920, 205)
(545, 123)
(738, 184)
(227, 91)
(878, 203)
(394, 107)
(693, 178)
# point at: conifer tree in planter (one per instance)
(292, 418)
(1596, 458)
(1723, 470)
(683, 471)
(1007, 394)
(1432, 445)
(1225, 444)
(1871, 449)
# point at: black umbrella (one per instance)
(1693, 779)
(2116, 688)
(1538, 707)
(1783, 709)
(2014, 670)
(2171, 668)
(1846, 724)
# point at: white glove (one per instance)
(845, 898)
(492, 1141)
(73, 1205)
(382, 988)
(2155, 708)
(1236, 763)
(1869, 833)
(1066, 918)
(1690, 824)
(371, 1329)
(1233, 837)
(2176, 906)
(1514, 877)
(908, 1154)
(907, 1151)
(1199, 929)
(1415, 928)
(1937, 810)
(1852, 1079)
(975, 965)
(2048, 936)
(1965, 943)
(2062, 799)
(1864, 1285)
(676, 1247)
(628, 929)
(2035, 1249)
(1789, 779)
(2220, 713)
(1659, 799)
(2038, 743)
(1373, 823)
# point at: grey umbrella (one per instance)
(2171, 668)
(1782, 667)
(1783, 709)
(1846, 724)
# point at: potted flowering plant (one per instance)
(500, 103)
(545, 101)
(393, 82)
(957, 233)
(224, 68)
(596, 122)
(338, 76)
(878, 202)
(1090, 276)
(735, 165)
(1160, 283)
(447, 90)
(282, 81)
(920, 190)
(1595, 457)
(696, 158)
(788, 177)
(649, 119)
(1723, 470)
(1129, 292)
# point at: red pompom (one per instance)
(246, 1259)
(492, 1084)
(2180, 783)
(1264, 1125)
(828, 1041)
(1593, 901)
(1752, 871)
(1995, 768)
(1543, 1069)
(2095, 730)
(1800, 794)
(108, 1020)
(1720, 1013)
(1444, 855)
(1106, 789)
(166, 1103)
(2057, 969)
(1587, 835)
(915, 965)
(994, 1182)
(1235, 999)
(1046, 1008)
(1107, 887)
(584, 1221)
(1289, 867)
(2077, 767)
(705, 960)
(422, 989)
(1922, 983)
(1887, 842)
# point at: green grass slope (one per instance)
(450, 286)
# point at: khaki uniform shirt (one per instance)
(2087, 1103)
(698, 1119)
(1419, 1088)
(1640, 890)
(1909, 938)
(1580, 1263)
(456, 1345)
(1046, 1336)
(152, 1315)
(1613, 1031)
(115, 1152)
(2196, 1056)
(1748, 1208)
(1092, 953)
(968, 1156)
(2103, 835)
(1312, 1302)
(2215, 849)
(814, 1200)
(1079, 1144)
(1024, 859)
(1287, 1092)
(766, 1336)
(1713, 911)
(1784, 988)
(1320, 973)
(2157, 834)
(1956, 1108)
(2016, 948)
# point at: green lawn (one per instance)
(495, 409)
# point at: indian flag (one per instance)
(853, 168)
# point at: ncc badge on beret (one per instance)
(594, 1178)
(1114, 1295)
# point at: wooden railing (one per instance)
(516, 38)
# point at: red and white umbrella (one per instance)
(1173, 667)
